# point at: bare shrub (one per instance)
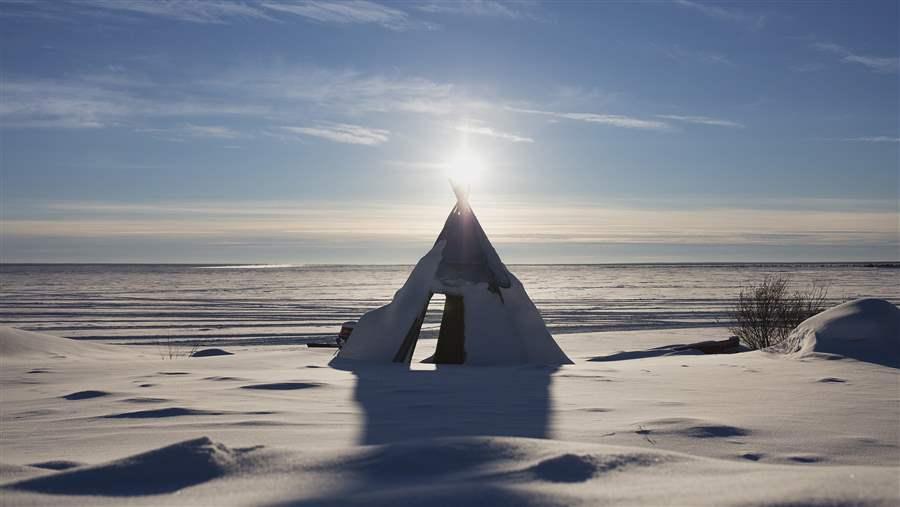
(766, 312)
(169, 348)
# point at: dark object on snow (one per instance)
(322, 345)
(85, 395)
(346, 331)
(729, 346)
(59, 464)
(766, 313)
(211, 353)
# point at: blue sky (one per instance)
(293, 131)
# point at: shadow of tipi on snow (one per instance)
(449, 400)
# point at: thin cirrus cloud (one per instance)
(755, 22)
(872, 139)
(91, 101)
(349, 12)
(343, 133)
(226, 12)
(196, 11)
(702, 120)
(482, 130)
(885, 65)
(347, 91)
(487, 8)
(179, 134)
(693, 55)
(81, 103)
(613, 120)
(273, 96)
(212, 131)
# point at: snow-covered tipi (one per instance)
(488, 318)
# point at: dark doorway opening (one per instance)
(452, 337)
(450, 344)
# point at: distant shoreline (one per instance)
(247, 265)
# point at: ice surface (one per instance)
(295, 305)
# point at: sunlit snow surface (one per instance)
(277, 304)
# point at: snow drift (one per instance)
(164, 470)
(863, 329)
(18, 344)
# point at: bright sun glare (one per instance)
(466, 167)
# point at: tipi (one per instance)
(488, 318)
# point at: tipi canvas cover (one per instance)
(488, 318)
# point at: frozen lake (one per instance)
(294, 304)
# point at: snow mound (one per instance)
(155, 472)
(482, 471)
(864, 329)
(18, 344)
(489, 471)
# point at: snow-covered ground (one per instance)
(84, 423)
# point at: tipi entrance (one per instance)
(450, 345)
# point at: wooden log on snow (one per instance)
(729, 346)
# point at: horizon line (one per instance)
(302, 264)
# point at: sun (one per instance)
(465, 168)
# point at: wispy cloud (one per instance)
(212, 131)
(508, 9)
(881, 64)
(693, 55)
(613, 120)
(348, 91)
(223, 11)
(343, 133)
(273, 95)
(58, 104)
(702, 120)
(482, 130)
(808, 67)
(725, 13)
(194, 11)
(179, 134)
(78, 103)
(872, 139)
(347, 12)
